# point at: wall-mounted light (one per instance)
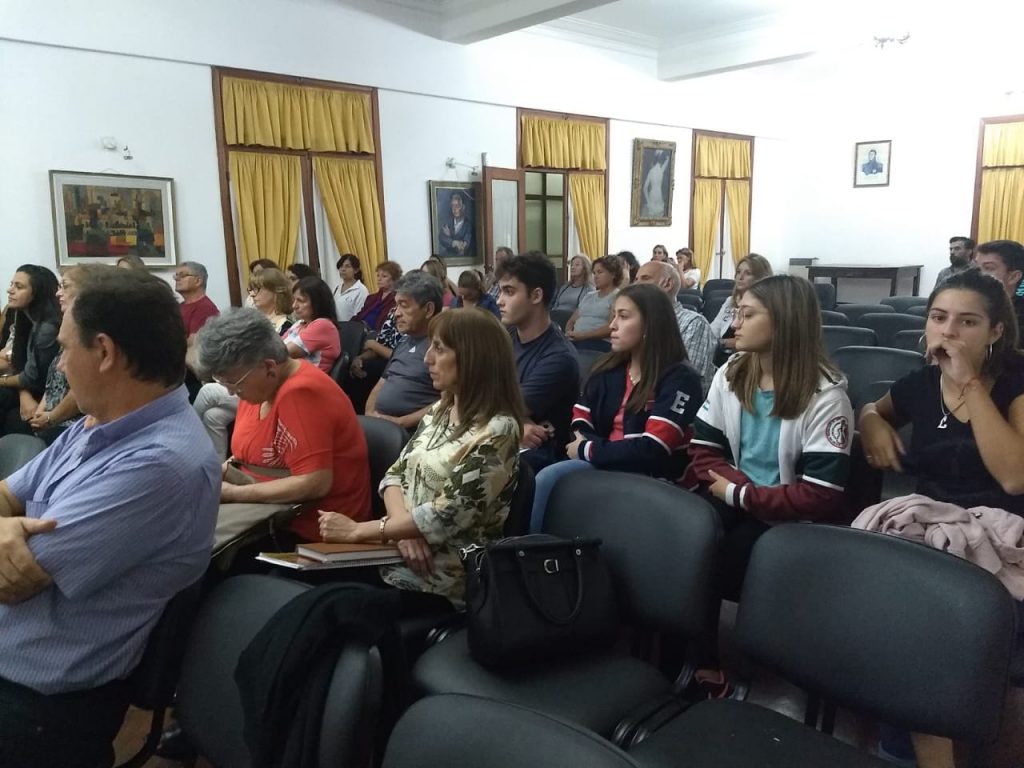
(474, 170)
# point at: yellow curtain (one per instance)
(723, 158)
(348, 187)
(588, 196)
(1001, 212)
(554, 143)
(1004, 145)
(707, 211)
(268, 189)
(259, 113)
(737, 198)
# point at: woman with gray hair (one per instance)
(581, 282)
(296, 437)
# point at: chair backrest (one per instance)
(920, 311)
(903, 303)
(831, 317)
(353, 336)
(837, 336)
(913, 636)
(518, 521)
(826, 293)
(16, 451)
(480, 731)
(691, 292)
(659, 542)
(384, 442)
(152, 683)
(587, 359)
(688, 300)
(560, 317)
(864, 366)
(208, 704)
(853, 312)
(339, 371)
(912, 341)
(888, 324)
(713, 303)
(725, 285)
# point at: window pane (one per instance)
(534, 183)
(556, 184)
(554, 234)
(534, 226)
(505, 213)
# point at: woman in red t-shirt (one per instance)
(296, 433)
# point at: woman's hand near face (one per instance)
(953, 359)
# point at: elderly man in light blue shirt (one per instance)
(98, 533)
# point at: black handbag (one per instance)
(536, 597)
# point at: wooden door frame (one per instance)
(495, 173)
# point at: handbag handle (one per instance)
(577, 553)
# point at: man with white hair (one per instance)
(693, 326)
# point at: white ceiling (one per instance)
(691, 38)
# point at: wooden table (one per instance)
(867, 272)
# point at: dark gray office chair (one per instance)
(384, 442)
(864, 366)
(659, 543)
(718, 285)
(455, 731)
(560, 317)
(903, 303)
(920, 311)
(912, 341)
(209, 708)
(831, 317)
(887, 324)
(16, 451)
(838, 336)
(713, 303)
(907, 634)
(853, 312)
(826, 293)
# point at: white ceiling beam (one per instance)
(744, 50)
(470, 21)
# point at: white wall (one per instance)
(56, 103)
(436, 100)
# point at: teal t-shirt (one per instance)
(759, 441)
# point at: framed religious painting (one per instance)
(100, 218)
(455, 221)
(871, 163)
(654, 165)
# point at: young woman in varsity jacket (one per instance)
(639, 402)
(772, 441)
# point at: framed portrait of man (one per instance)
(654, 165)
(871, 163)
(455, 221)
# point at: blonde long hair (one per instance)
(760, 267)
(798, 349)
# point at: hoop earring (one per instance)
(989, 352)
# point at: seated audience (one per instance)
(580, 283)
(196, 307)
(350, 296)
(693, 326)
(291, 417)
(501, 253)
(405, 393)
(471, 294)
(453, 483)
(255, 268)
(688, 272)
(749, 270)
(130, 261)
(1004, 260)
(435, 266)
(378, 306)
(103, 529)
(33, 295)
(367, 367)
(58, 409)
(630, 267)
(296, 272)
(659, 253)
(638, 403)
(961, 258)
(772, 441)
(214, 404)
(588, 328)
(546, 363)
(314, 336)
(966, 409)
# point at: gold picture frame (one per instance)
(654, 167)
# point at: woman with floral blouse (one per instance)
(452, 485)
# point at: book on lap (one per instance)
(322, 556)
